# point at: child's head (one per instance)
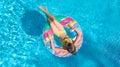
(70, 48)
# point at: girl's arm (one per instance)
(58, 49)
(53, 46)
(79, 34)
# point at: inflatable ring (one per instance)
(64, 21)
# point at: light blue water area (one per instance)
(21, 24)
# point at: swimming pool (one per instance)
(21, 24)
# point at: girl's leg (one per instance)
(53, 27)
(52, 19)
(46, 12)
(58, 25)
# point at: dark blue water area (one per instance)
(22, 23)
(32, 22)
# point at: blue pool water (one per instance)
(21, 24)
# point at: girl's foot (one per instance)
(43, 8)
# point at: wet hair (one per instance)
(71, 48)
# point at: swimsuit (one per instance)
(61, 32)
(63, 41)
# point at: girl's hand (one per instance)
(50, 37)
(43, 8)
(70, 25)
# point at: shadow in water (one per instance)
(33, 22)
